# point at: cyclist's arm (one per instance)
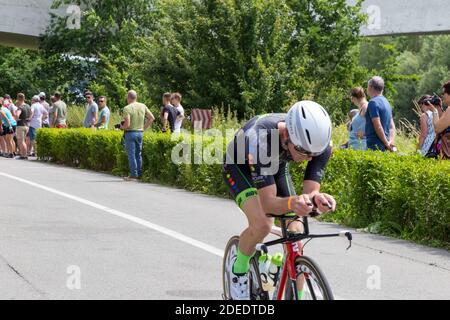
(314, 174)
(276, 205)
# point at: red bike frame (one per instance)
(292, 250)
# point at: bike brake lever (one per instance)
(350, 245)
(349, 237)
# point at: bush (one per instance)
(397, 195)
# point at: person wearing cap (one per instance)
(23, 118)
(46, 121)
(137, 118)
(59, 112)
(90, 119)
(38, 114)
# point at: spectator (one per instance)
(380, 128)
(3, 147)
(427, 134)
(169, 113)
(46, 121)
(23, 114)
(51, 112)
(176, 102)
(137, 118)
(38, 115)
(357, 140)
(59, 112)
(351, 115)
(90, 120)
(8, 103)
(104, 115)
(441, 120)
(8, 129)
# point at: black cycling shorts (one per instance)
(239, 179)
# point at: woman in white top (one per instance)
(427, 134)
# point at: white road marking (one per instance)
(142, 222)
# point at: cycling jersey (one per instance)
(256, 159)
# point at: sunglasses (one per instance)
(304, 152)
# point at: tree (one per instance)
(107, 41)
(253, 55)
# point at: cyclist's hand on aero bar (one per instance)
(302, 205)
(324, 202)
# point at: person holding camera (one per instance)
(441, 123)
(427, 134)
(137, 118)
(441, 119)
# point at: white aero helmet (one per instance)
(309, 127)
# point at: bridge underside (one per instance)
(19, 40)
(24, 20)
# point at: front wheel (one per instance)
(310, 283)
(256, 290)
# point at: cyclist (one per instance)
(256, 170)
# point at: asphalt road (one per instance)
(74, 234)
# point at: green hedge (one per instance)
(405, 196)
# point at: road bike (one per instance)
(299, 278)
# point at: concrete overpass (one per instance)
(24, 20)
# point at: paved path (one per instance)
(141, 241)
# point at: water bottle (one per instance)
(269, 269)
(275, 267)
(265, 261)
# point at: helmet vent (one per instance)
(309, 137)
(303, 113)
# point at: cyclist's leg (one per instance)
(285, 188)
(238, 178)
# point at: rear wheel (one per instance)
(310, 280)
(256, 290)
